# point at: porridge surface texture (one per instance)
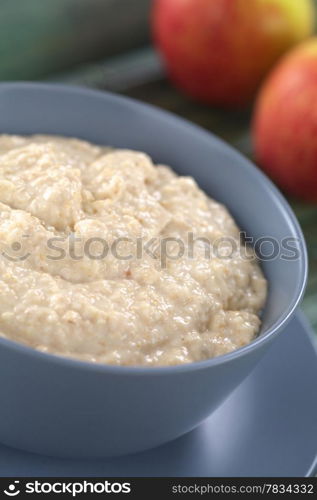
(108, 258)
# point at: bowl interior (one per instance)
(223, 173)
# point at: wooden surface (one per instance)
(141, 76)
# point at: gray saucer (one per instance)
(268, 427)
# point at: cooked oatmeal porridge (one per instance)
(118, 307)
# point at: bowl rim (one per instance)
(246, 164)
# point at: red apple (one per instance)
(285, 123)
(219, 50)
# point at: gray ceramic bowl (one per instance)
(62, 407)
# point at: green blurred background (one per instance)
(38, 37)
(106, 44)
